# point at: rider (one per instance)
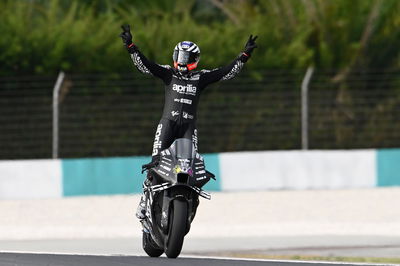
(183, 86)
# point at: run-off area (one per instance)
(362, 222)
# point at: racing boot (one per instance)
(141, 209)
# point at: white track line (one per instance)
(288, 261)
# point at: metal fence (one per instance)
(116, 115)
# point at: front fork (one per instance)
(192, 203)
(150, 224)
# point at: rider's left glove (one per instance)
(126, 37)
(249, 47)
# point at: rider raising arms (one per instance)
(183, 86)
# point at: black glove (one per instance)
(126, 36)
(155, 161)
(250, 45)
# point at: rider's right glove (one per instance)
(249, 47)
(126, 37)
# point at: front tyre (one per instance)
(177, 230)
(149, 246)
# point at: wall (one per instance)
(30, 179)
(298, 170)
(238, 171)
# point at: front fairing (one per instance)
(182, 164)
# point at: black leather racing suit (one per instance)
(182, 93)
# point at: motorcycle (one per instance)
(172, 197)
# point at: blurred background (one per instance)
(107, 108)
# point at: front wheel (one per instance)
(176, 234)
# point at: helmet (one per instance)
(186, 56)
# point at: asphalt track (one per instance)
(20, 259)
(246, 247)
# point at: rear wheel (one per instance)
(177, 230)
(150, 247)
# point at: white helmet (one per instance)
(186, 55)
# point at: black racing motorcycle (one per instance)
(172, 197)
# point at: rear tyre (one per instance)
(177, 230)
(150, 247)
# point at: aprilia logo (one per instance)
(157, 143)
(189, 89)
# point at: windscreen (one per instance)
(184, 149)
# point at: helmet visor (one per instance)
(184, 57)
